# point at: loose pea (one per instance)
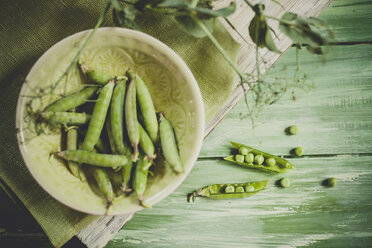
(285, 182)
(229, 189)
(293, 130)
(259, 159)
(249, 158)
(299, 151)
(239, 189)
(270, 162)
(239, 158)
(243, 150)
(331, 182)
(249, 188)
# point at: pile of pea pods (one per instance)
(133, 132)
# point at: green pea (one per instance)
(239, 158)
(270, 162)
(72, 101)
(95, 76)
(331, 182)
(249, 158)
(66, 118)
(259, 159)
(131, 118)
(147, 107)
(71, 144)
(169, 145)
(98, 117)
(249, 188)
(93, 158)
(293, 130)
(229, 189)
(299, 151)
(239, 189)
(243, 150)
(285, 182)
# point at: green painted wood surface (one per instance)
(335, 122)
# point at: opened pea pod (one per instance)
(258, 159)
(229, 191)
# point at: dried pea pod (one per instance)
(71, 101)
(229, 191)
(281, 165)
(66, 118)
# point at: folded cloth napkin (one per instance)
(29, 28)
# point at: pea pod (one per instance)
(93, 158)
(229, 191)
(72, 101)
(95, 76)
(104, 185)
(98, 117)
(279, 166)
(169, 145)
(140, 177)
(131, 118)
(116, 116)
(66, 118)
(109, 135)
(147, 107)
(146, 144)
(71, 144)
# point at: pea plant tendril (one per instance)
(196, 17)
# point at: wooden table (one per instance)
(335, 122)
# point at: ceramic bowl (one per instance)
(113, 50)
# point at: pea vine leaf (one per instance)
(189, 25)
(259, 30)
(205, 13)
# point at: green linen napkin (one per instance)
(29, 28)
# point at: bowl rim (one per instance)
(176, 59)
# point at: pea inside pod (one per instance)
(229, 191)
(262, 160)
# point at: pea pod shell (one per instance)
(131, 118)
(216, 191)
(147, 107)
(66, 118)
(71, 144)
(169, 145)
(93, 158)
(98, 117)
(281, 165)
(72, 101)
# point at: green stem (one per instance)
(236, 31)
(194, 3)
(219, 47)
(86, 42)
(248, 3)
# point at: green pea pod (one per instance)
(72, 101)
(95, 76)
(140, 177)
(131, 118)
(116, 117)
(169, 145)
(93, 158)
(147, 107)
(109, 135)
(66, 118)
(102, 147)
(98, 117)
(281, 165)
(146, 144)
(71, 144)
(104, 184)
(229, 191)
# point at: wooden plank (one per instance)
(333, 118)
(241, 19)
(305, 214)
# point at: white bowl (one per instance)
(175, 93)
